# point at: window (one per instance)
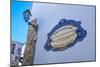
(16, 59)
(19, 51)
(13, 48)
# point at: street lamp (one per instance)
(26, 15)
(27, 59)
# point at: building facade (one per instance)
(15, 53)
(49, 15)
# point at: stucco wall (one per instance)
(48, 16)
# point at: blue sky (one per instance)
(18, 26)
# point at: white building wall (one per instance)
(13, 56)
(48, 16)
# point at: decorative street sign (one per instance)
(64, 35)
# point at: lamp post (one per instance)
(27, 14)
(31, 39)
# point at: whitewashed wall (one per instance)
(13, 56)
(48, 16)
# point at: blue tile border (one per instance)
(81, 34)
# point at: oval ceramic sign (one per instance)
(64, 35)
